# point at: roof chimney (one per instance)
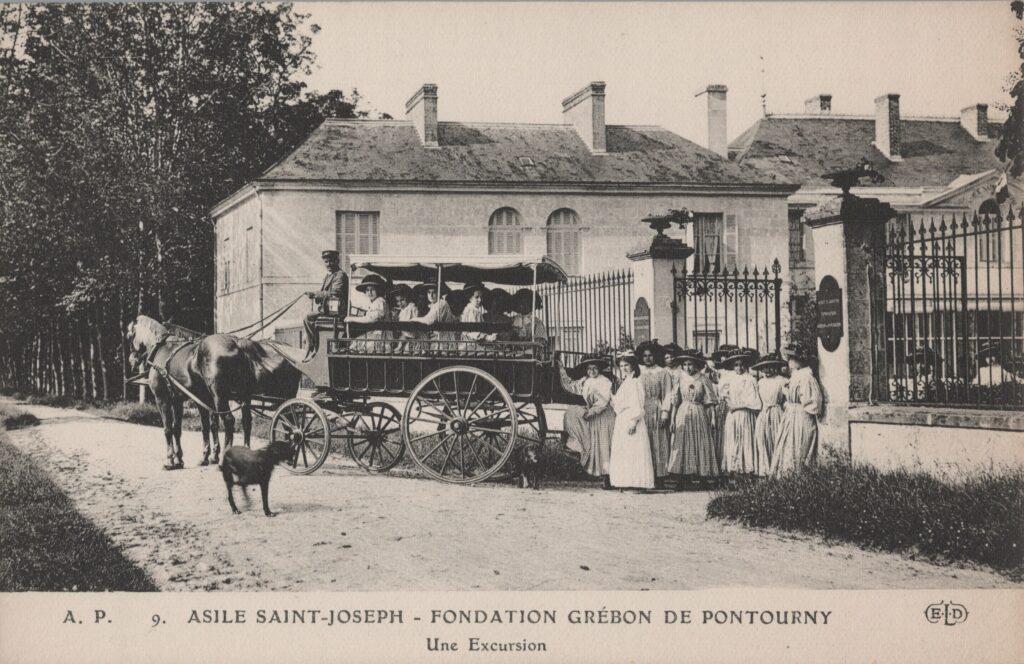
(887, 126)
(717, 139)
(584, 110)
(421, 109)
(819, 105)
(974, 119)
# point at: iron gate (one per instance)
(713, 306)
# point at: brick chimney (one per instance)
(887, 126)
(718, 141)
(584, 110)
(421, 109)
(974, 119)
(819, 105)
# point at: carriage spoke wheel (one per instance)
(459, 425)
(374, 441)
(303, 425)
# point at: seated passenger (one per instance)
(526, 325)
(474, 312)
(498, 304)
(438, 312)
(405, 311)
(373, 341)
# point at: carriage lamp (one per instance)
(334, 306)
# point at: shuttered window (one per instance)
(356, 233)
(250, 257)
(563, 239)
(504, 232)
(716, 240)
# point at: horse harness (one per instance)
(166, 374)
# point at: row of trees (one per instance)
(120, 126)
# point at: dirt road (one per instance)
(341, 529)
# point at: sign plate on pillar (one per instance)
(830, 313)
(641, 322)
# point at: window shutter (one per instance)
(504, 232)
(356, 233)
(732, 254)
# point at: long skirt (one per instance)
(658, 435)
(693, 443)
(797, 443)
(741, 452)
(718, 424)
(766, 430)
(631, 464)
(591, 438)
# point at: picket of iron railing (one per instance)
(942, 308)
(595, 307)
(728, 304)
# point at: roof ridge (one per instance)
(841, 116)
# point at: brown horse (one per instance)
(217, 369)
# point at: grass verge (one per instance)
(978, 519)
(47, 544)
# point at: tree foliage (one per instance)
(120, 126)
(1011, 143)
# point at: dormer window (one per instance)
(526, 161)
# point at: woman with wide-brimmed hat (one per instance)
(740, 455)
(718, 375)
(693, 442)
(498, 304)
(657, 404)
(588, 429)
(526, 323)
(797, 443)
(771, 387)
(374, 287)
(438, 313)
(631, 464)
(404, 311)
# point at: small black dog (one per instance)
(528, 465)
(244, 466)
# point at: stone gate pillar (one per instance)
(653, 284)
(849, 253)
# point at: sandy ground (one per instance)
(342, 529)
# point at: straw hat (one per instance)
(372, 280)
(769, 361)
(749, 355)
(689, 355)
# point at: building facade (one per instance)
(575, 191)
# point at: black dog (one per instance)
(244, 466)
(528, 465)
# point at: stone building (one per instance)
(575, 191)
(931, 165)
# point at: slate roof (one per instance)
(801, 149)
(390, 151)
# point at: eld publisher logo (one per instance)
(946, 613)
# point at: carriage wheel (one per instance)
(373, 440)
(459, 425)
(533, 425)
(303, 425)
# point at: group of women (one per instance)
(676, 414)
(425, 304)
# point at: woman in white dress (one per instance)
(406, 307)
(474, 312)
(740, 454)
(771, 387)
(693, 443)
(588, 429)
(372, 341)
(631, 465)
(717, 375)
(797, 443)
(438, 312)
(657, 404)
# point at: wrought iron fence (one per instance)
(589, 313)
(715, 306)
(954, 313)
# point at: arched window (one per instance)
(564, 239)
(504, 232)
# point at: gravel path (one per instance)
(342, 529)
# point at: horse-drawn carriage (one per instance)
(457, 408)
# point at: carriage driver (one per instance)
(335, 285)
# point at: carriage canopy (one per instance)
(501, 270)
